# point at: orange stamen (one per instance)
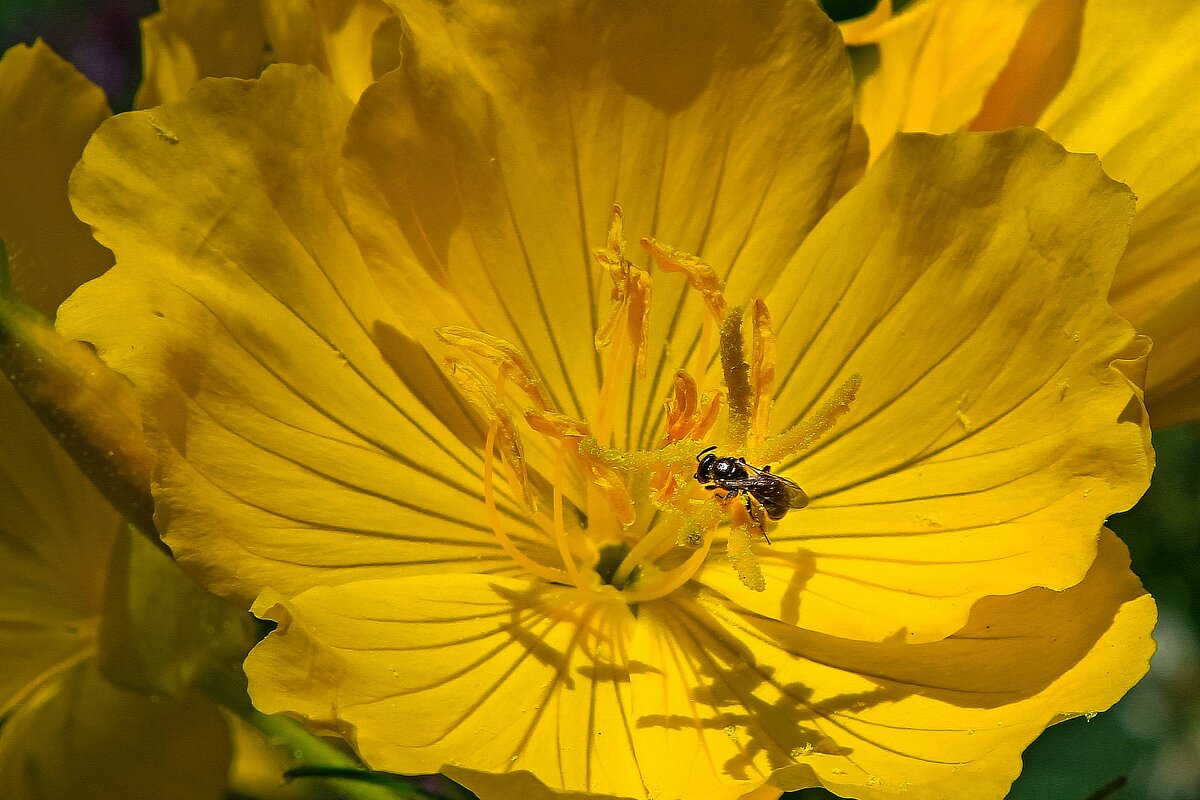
(511, 362)
(700, 276)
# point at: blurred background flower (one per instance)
(100, 37)
(1152, 738)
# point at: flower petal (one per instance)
(994, 430)
(1038, 66)
(868, 720)
(290, 450)
(56, 533)
(351, 41)
(490, 163)
(504, 676)
(192, 39)
(342, 38)
(937, 61)
(1129, 100)
(47, 112)
(83, 737)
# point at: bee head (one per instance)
(706, 458)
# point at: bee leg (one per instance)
(767, 468)
(757, 513)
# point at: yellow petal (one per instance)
(192, 39)
(1173, 388)
(259, 348)
(524, 688)
(870, 720)
(489, 164)
(994, 429)
(1038, 66)
(47, 112)
(869, 28)
(1129, 100)
(937, 61)
(56, 533)
(504, 676)
(351, 41)
(81, 737)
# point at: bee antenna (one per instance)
(703, 452)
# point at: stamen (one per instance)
(669, 580)
(612, 256)
(737, 378)
(704, 351)
(630, 298)
(604, 480)
(679, 454)
(695, 533)
(479, 392)
(738, 551)
(560, 527)
(625, 331)
(641, 552)
(805, 434)
(616, 368)
(681, 407)
(701, 276)
(557, 425)
(541, 570)
(689, 416)
(762, 374)
(637, 316)
(512, 362)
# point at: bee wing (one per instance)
(796, 497)
(746, 484)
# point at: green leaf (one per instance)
(160, 632)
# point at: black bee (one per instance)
(766, 494)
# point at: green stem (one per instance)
(88, 408)
(1108, 789)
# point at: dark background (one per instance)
(1152, 737)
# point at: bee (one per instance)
(766, 494)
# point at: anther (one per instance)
(511, 362)
(479, 392)
(700, 275)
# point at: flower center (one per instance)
(642, 521)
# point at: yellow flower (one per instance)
(351, 41)
(1102, 76)
(415, 396)
(47, 112)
